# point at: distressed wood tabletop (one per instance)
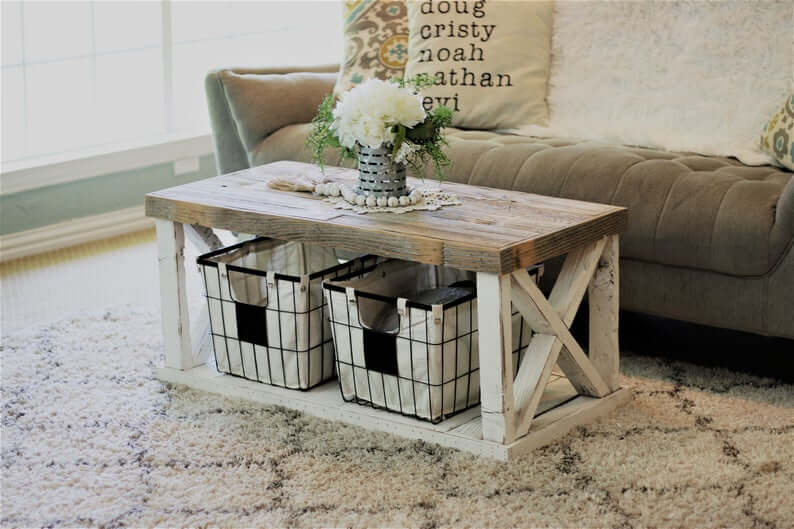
(494, 230)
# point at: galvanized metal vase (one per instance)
(378, 174)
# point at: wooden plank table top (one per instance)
(494, 230)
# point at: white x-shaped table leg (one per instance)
(509, 405)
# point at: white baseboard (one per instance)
(73, 232)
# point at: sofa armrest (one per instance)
(247, 104)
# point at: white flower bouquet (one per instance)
(388, 114)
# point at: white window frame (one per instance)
(46, 170)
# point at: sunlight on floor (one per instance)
(89, 277)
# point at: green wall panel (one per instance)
(92, 196)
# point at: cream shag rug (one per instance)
(90, 438)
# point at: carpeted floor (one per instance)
(91, 439)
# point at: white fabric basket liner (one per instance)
(273, 289)
(437, 346)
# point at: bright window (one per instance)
(81, 75)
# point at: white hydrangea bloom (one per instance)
(366, 113)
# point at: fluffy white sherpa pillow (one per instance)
(687, 76)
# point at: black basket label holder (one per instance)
(251, 319)
(380, 348)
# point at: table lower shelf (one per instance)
(560, 410)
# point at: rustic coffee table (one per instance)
(497, 234)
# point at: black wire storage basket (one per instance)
(406, 340)
(268, 315)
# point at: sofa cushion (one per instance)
(489, 60)
(685, 210)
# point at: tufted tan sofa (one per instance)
(709, 239)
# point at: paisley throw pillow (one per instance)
(777, 138)
(376, 42)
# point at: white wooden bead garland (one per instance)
(348, 197)
(333, 189)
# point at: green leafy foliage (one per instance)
(322, 135)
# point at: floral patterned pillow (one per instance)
(376, 42)
(777, 137)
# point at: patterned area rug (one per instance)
(90, 438)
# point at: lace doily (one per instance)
(342, 195)
(432, 199)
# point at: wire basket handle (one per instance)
(227, 290)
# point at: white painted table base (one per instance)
(517, 414)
